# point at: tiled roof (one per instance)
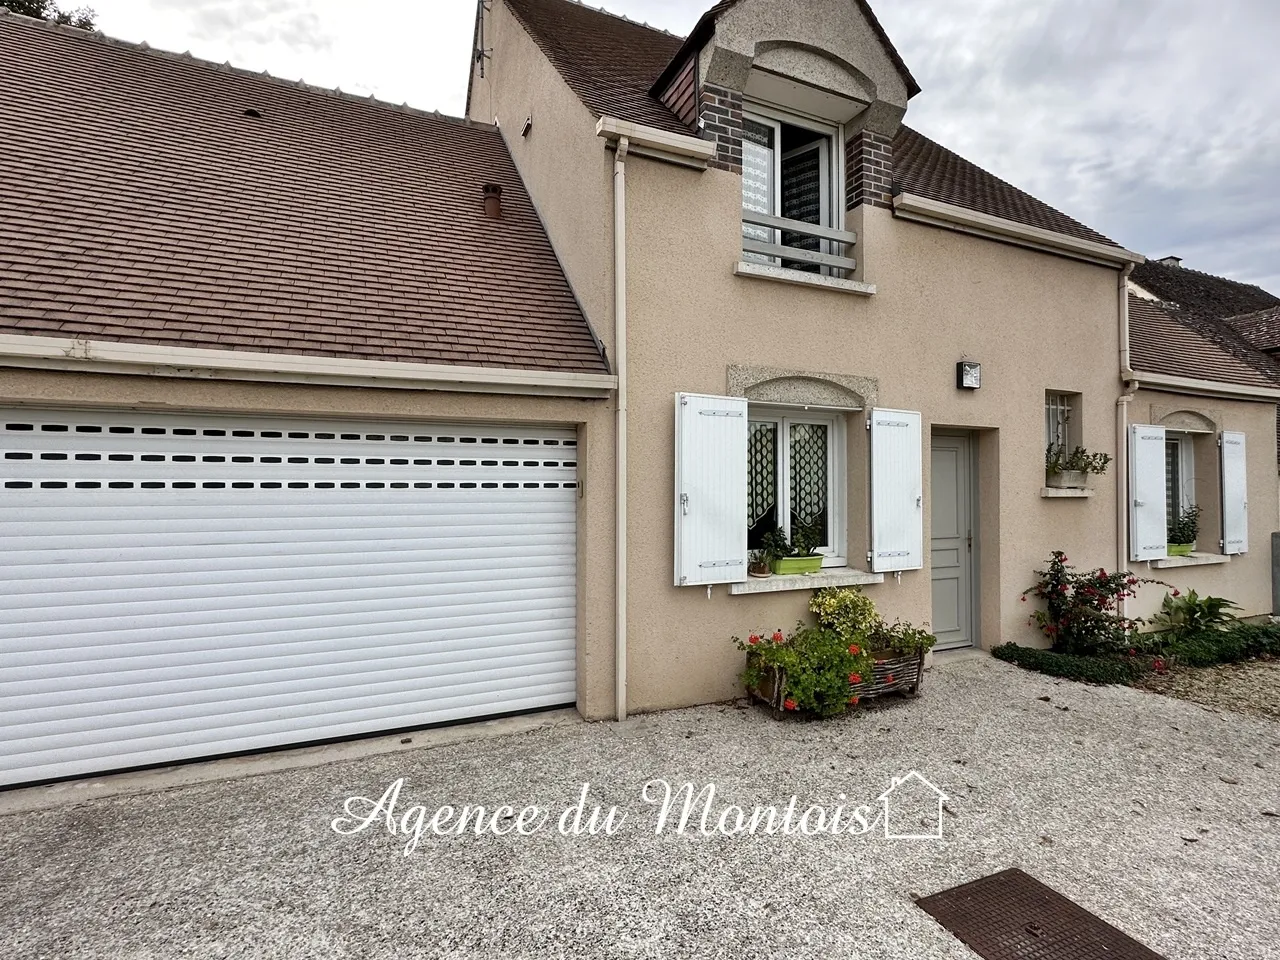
(1164, 339)
(1262, 329)
(139, 202)
(1201, 293)
(611, 63)
(927, 169)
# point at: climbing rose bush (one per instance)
(1081, 609)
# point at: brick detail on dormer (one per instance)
(720, 111)
(868, 169)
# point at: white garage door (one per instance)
(180, 586)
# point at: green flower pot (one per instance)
(1181, 549)
(784, 566)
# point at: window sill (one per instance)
(1065, 493)
(767, 271)
(1192, 560)
(827, 577)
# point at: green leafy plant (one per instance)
(804, 542)
(1084, 669)
(1079, 460)
(757, 562)
(1182, 617)
(817, 663)
(1081, 609)
(1185, 526)
(902, 639)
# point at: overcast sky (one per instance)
(1156, 122)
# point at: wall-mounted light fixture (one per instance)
(968, 375)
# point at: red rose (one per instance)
(788, 704)
(777, 636)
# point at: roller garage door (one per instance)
(185, 586)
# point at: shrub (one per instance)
(1182, 617)
(1058, 460)
(901, 639)
(1239, 641)
(1085, 669)
(1080, 614)
(818, 664)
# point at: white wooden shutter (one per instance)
(1235, 501)
(897, 491)
(1148, 522)
(711, 489)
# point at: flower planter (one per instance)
(786, 566)
(890, 673)
(1181, 549)
(1067, 480)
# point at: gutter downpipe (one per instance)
(620, 439)
(1122, 435)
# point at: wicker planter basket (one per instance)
(889, 674)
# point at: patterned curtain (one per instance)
(809, 474)
(762, 470)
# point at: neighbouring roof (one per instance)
(1201, 293)
(611, 64)
(1262, 329)
(139, 202)
(1166, 340)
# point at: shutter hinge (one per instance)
(684, 504)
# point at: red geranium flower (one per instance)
(753, 639)
(855, 649)
(853, 701)
(777, 636)
(855, 678)
(788, 704)
(889, 678)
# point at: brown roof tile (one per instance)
(138, 202)
(1262, 329)
(1164, 339)
(611, 64)
(1201, 293)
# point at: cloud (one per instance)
(238, 23)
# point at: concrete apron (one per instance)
(70, 792)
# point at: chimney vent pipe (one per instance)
(492, 201)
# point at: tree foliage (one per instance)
(81, 17)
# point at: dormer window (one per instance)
(791, 194)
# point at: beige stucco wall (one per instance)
(1246, 579)
(566, 169)
(1035, 322)
(593, 420)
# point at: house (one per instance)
(324, 417)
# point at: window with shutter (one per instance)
(897, 491)
(1148, 517)
(711, 489)
(1235, 501)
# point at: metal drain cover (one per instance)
(1011, 915)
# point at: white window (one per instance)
(1179, 473)
(796, 478)
(791, 168)
(1061, 421)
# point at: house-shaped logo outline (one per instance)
(887, 796)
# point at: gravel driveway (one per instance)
(1250, 687)
(1147, 810)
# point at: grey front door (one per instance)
(952, 522)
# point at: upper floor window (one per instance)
(791, 192)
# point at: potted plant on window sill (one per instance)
(798, 555)
(1183, 532)
(1071, 471)
(758, 564)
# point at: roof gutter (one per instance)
(936, 213)
(1205, 388)
(644, 141)
(146, 359)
